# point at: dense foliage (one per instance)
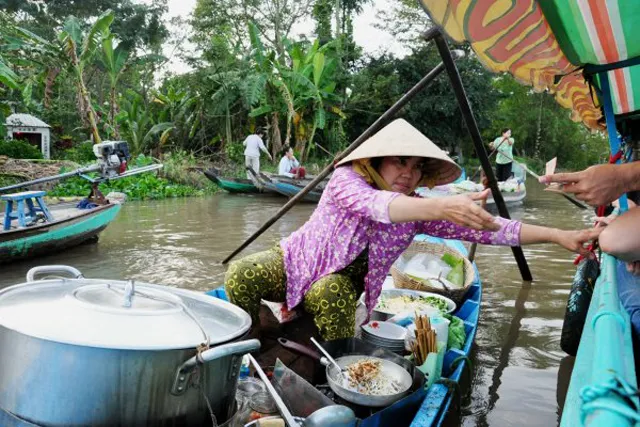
(94, 70)
(19, 150)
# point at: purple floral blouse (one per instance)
(351, 216)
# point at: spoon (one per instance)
(342, 370)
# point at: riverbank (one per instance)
(181, 176)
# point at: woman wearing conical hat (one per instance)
(367, 216)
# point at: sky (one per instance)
(365, 34)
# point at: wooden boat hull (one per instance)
(510, 197)
(290, 189)
(52, 237)
(235, 185)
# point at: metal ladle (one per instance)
(342, 370)
(333, 415)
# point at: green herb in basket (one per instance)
(456, 275)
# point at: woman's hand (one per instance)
(575, 240)
(463, 210)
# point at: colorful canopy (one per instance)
(536, 41)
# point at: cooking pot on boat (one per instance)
(117, 353)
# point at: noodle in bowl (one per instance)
(369, 381)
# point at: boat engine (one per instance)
(111, 163)
(112, 158)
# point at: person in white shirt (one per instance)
(289, 166)
(254, 145)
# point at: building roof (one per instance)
(25, 120)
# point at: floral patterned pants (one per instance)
(331, 300)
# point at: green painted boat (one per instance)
(232, 185)
(71, 226)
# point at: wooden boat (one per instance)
(71, 226)
(232, 185)
(289, 187)
(419, 408)
(513, 191)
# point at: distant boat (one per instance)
(232, 185)
(289, 187)
(71, 227)
(513, 191)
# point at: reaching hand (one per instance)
(575, 240)
(463, 210)
(597, 185)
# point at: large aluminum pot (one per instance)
(79, 352)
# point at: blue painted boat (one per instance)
(71, 226)
(290, 187)
(429, 408)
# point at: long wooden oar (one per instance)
(375, 127)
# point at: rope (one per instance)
(200, 381)
(616, 386)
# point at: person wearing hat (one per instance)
(367, 216)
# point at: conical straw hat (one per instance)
(399, 138)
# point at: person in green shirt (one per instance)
(504, 145)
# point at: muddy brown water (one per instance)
(519, 372)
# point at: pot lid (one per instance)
(119, 314)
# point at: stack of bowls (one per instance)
(386, 335)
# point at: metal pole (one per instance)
(76, 172)
(472, 126)
(375, 127)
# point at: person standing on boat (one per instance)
(290, 166)
(367, 216)
(253, 145)
(504, 145)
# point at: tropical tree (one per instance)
(74, 50)
(114, 62)
(312, 84)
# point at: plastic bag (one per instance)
(281, 312)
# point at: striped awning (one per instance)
(536, 41)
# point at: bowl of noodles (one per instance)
(398, 301)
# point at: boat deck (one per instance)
(60, 212)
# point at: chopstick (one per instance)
(425, 340)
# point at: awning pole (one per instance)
(472, 126)
(614, 141)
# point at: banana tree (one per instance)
(114, 62)
(135, 121)
(312, 83)
(265, 90)
(80, 49)
(75, 50)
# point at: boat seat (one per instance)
(30, 199)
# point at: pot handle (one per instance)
(184, 371)
(299, 348)
(53, 269)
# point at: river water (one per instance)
(516, 363)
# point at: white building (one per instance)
(32, 129)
